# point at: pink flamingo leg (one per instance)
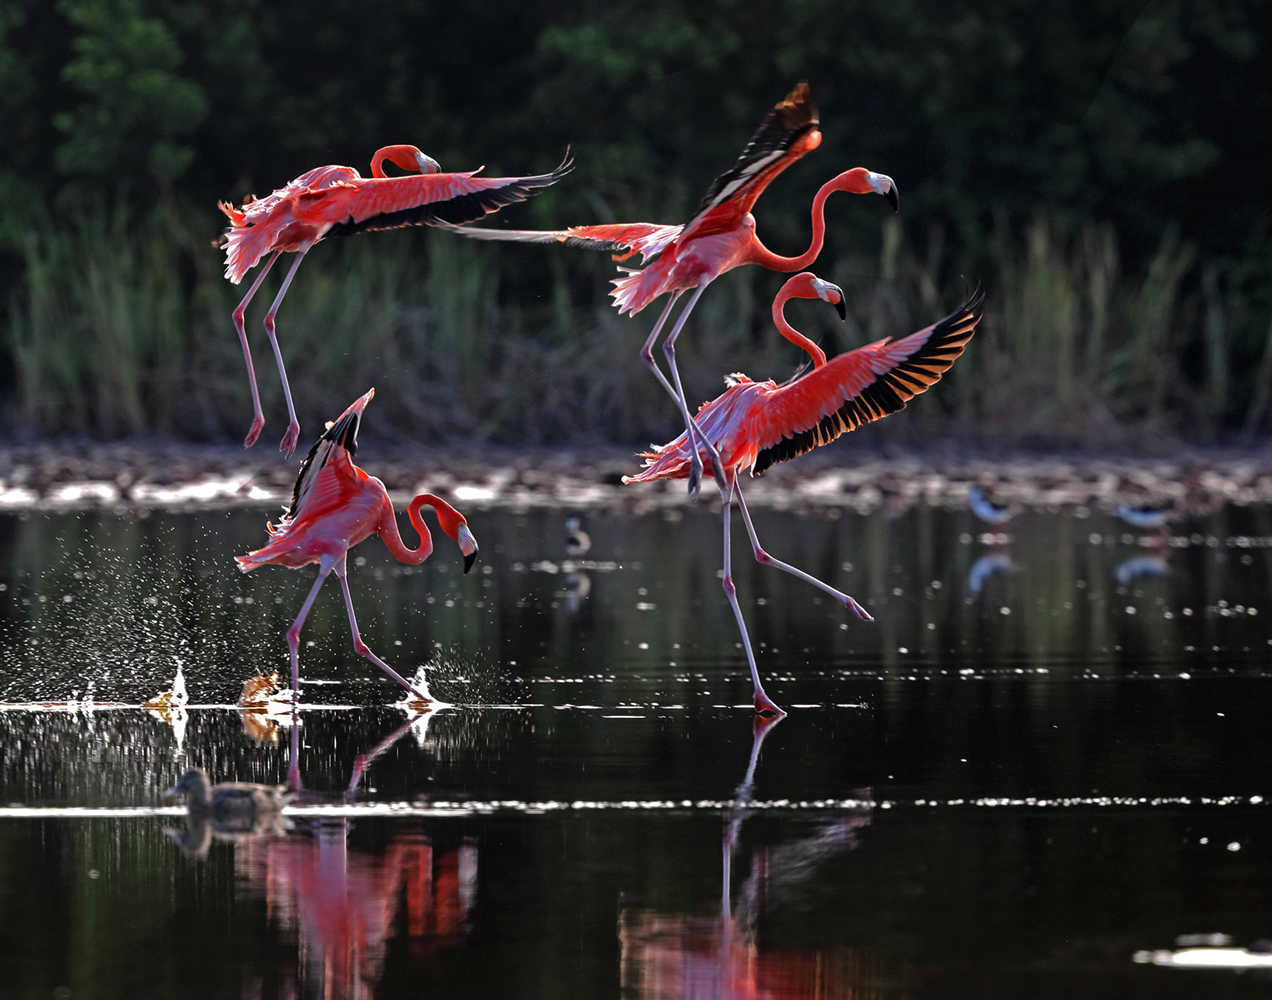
(258, 416)
(288, 443)
(677, 393)
(691, 425)
(765, 559)
(762, 701)
(293, 633)
(647, 352)
(361, 647)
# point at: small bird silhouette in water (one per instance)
(338, 201)
(987, 510)
(756, 424)
(577, 541)
(232, 810)
(719, 237)
(336, 505)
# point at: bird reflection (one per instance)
(985, 567)
(343, 903)
(998, 558)
(230, 811)
(1136, 567)
(577, 583)
(723, 956)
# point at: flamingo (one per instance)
(336, 505)
(719, 237)
(754, 425)
(337, 201)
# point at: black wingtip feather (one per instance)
(459, 210)
(890, 391)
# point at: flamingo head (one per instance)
(828, 292)
(453, 523)
(807, 285)
(859, 180)
(406, 157)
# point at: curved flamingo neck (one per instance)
(393, 538)
(403, 156)
(789, 332)
(849, 180)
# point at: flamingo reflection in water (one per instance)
(344, 903)
(723, 956)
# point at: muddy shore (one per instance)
(143, 476)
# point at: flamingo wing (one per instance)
(858, 387)
(646, 238)
(787, 133)
(432, 199)
(316, 487)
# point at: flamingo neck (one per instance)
(393, 538)
(401, 155)
(762, 255)
(789, 332)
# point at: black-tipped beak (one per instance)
(469, 559)
(894, 199)
(842, 308)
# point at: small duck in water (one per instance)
(229, 803)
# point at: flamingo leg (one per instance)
(293, 633)
(363, 650)
(762, 701)
(258, 416)
(647, 352)
(765, 559)
(691, 425)
(288, 443)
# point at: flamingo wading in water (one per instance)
(336, 505)
(756, 424)
(719, 237)
(338, 201)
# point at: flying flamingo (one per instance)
(756, 424)
(719, 237)
(337, 201)
(336, 505)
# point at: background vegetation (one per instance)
(1099, 167)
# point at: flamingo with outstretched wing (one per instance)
(335, 505)
(719, 237)
(338, 201)
(754, 425)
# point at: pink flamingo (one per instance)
(756, 424)
(336, 505)
(337, 201)
(719, 237)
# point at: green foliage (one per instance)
(1065, 153)
(134, 106)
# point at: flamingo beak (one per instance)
(467, 545)
(886, 186)
(427, 164)
(832, 293)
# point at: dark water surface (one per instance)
(1043, 771)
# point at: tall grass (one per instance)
(122, 327)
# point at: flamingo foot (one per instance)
(254, 431)
(717, 470)
(858, 610)
(695, 479)
(288, 444)
(764, 705)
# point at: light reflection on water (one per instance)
(1019, 777)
